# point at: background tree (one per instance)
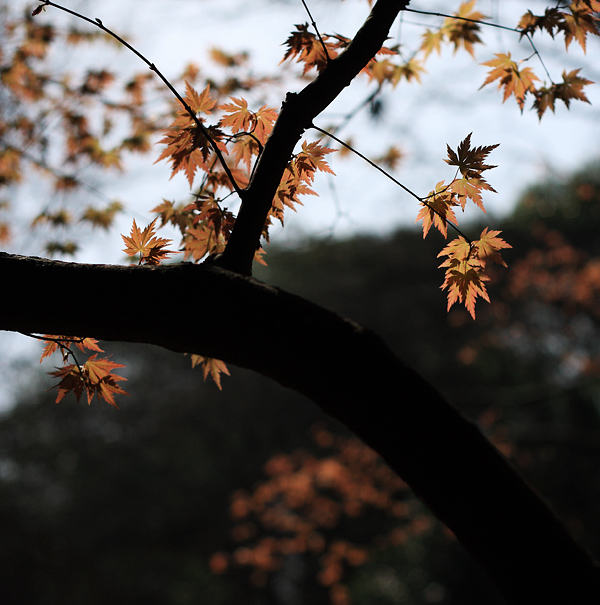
(333, 361)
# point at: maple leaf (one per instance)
(168, 212)
(188, 145)
(212, 367)
(71, 379)
(199, 102)
(411, 70)
(464, 31)
(437, 210)
(102, 380)
(465, 282)
(214, 217)
(311, 159)
(470, 188)
(151, 249)
(95, 377)
(201, 240)
(545, 98)
(550, 21)
(570, 88)
(307, 48)
(487, 247)
(580, 22)
(470, 161)
(292, 185)
(245, 149)
(263, 120)
(241, 119)
(465, 265)
(432, 41)
(298, 174)
(517, 82)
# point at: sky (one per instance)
(419, 118)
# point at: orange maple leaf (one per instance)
(464, 281)
(437, 210)
(188, 145)
(199, 102)
(580, 22)
(201, 240)
(465, 267)
(470, 188)
(570, 88)
(71, 379)
(311, 159)
(307, 48)
(464, 30)
(95, 377)
(212, 367)
(487, 247)
(517, 82)
(102, 380)
(551, 20)
(238, 116)
(151, 249)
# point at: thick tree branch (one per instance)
(297, 113)
(344, 368)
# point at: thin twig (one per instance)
(64, 349)
(313, 23)
(98, 23)
(423, 200)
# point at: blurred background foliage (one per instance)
(138, 505)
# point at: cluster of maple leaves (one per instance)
(218, 159)
(304, 500)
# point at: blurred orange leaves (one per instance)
(315, 504)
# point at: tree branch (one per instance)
(297, 114)
(344, 368)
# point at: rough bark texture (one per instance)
(348, 371)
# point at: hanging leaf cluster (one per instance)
(466, 260)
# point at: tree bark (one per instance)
(347, 370)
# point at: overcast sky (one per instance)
(420, 119)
